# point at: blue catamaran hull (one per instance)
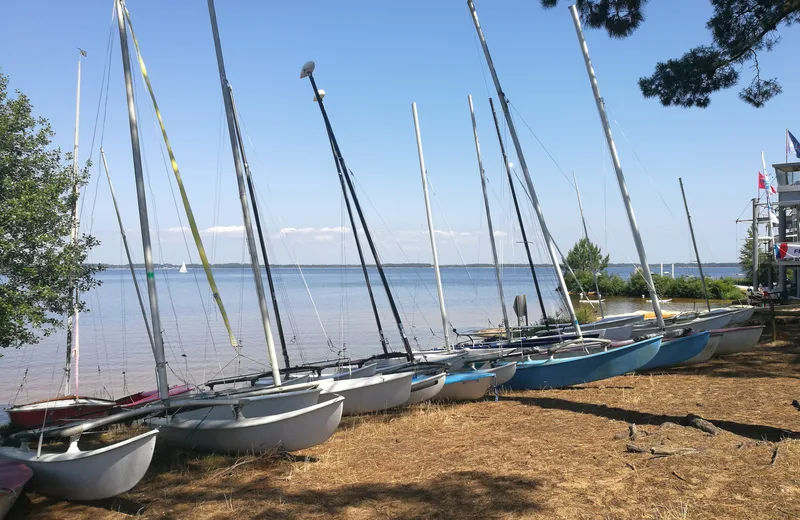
(561, 372)
(678, 350)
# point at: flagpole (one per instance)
(786, 156)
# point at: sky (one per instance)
(374, 59)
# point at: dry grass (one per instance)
(557, 454)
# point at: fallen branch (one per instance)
(774, 456)
(701, 424)
(679, 477)
(664, 451)
(632, 432)
(632, 448)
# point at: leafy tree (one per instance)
(585, 256)
(764, 261)
(38, 264)
(740, 30)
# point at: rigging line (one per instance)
(652, 182)
(397, 243)
(540, 143)
(105, 79)
(184, 197)
(294, 260)
(630, 260)
(451, 234)
(160, 249)
(283, 292)
(201, 301)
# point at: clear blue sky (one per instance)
(373, 59)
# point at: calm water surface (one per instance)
(116, 358)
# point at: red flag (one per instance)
(762, 181)
(772, 189)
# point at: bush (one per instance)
(666, 287)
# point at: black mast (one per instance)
(252, 192)
(519, 215)
(341, 167)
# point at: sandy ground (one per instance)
(549, 454)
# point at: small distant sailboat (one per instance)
(183, 269)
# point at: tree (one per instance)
(764, 261)
(740, 30)
(38, 264)
(586, 256)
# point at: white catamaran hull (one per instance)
(371, 394)
(707, 353)
(426, 388)
(708, 322)
(258, 406)
(739, 339)
(469, 390)
(502, 372)
(91, 474)
(291, 431)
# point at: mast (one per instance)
(262, 243)
(519, 215)
(308, 71)
(497, 273)
(524, 165)
(248, 226)
(623, 188)
(73, 343)
(694, 243)
(755, 244)
(429, 216)
(127, 251)
(158, 350)
(770, 235)
(588, 245)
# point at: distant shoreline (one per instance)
(329, 266)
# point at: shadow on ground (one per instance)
(753, 431)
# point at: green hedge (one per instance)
(667, 287)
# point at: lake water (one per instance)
(116, 358)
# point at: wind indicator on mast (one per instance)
(308, 72)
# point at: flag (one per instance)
(772, 189)
(762, 181)
(83, 52)
(793, 144)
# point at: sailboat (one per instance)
(183, 269)
(68, 407)
(290, 418)
(578, 368)
(456, 385)
(688, 345)
(105, 472)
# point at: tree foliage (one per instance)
(586, 256)
(764, 261)
(740, 30)
(38, 264)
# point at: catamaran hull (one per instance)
(13, 477)
(258, 406)
(58, 411)
(708, 322)
(469, 389)
(676, 351)
(739, 339)
(707, 352)
(371, 394)
(563, 372)
(88, 475)
(291, 431)
(426, 388)
(502, 372)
